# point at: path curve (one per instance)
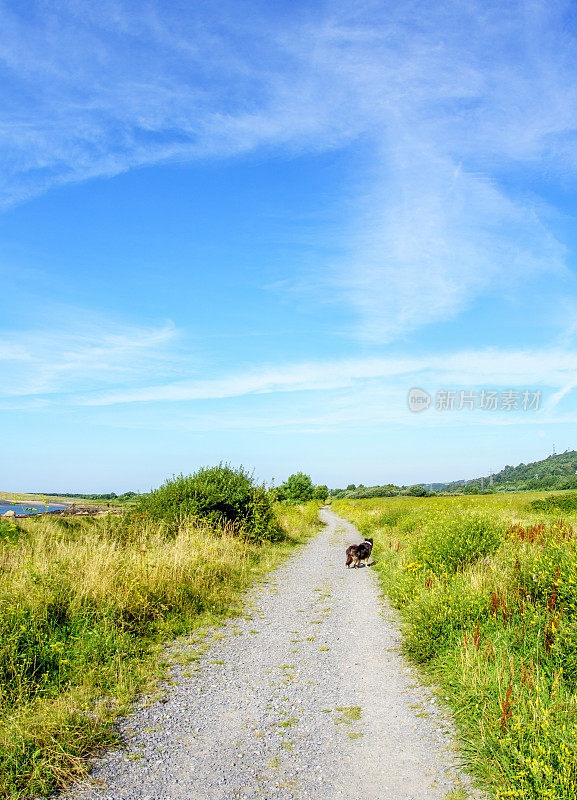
(305, 696)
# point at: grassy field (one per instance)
(487, 590)
(85, 607)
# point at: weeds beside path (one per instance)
(487, 589)
(85, 607)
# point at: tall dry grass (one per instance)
(85, 607)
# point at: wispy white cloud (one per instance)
(80, 351)
(434, 239)
(488, 368)
(560, 395)
(447, 101)
(363, 395)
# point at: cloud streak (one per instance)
(488, 368)
(82, 350)
(361, 394)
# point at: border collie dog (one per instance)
(359, 552)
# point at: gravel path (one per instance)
(306, 696)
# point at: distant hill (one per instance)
(554, 472)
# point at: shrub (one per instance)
(321, 493)
(83, 610)
(499, 636)
(417, 491)
(393, 514)
(448, 543)
(548, 573)
(556, 504)
(298, 488)
(219, 495)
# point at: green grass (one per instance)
(487, 591)
(349, 713)
(85, 607)
(288, 723)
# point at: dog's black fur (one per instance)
(359, 552)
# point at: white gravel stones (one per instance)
(304, 697)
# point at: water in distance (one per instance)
(28, 508)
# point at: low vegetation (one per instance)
(362, 492)
(220, 495)
(556, 504)
(87, 603)
(487, 590)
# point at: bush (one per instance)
(564, 654)
(220, 495)
(499, 636)
(321, 493)
(298, 488)
(448, 543)
(547, 573)
(556, 504)
(392, 515)
(417, 491)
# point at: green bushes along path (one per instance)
(487, 590)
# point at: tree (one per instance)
(298, 488)
(417, 491)
(321, 492)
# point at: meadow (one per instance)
(86, 606)
(486, 587)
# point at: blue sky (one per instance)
(245, 231)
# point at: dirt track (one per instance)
(304, 697)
